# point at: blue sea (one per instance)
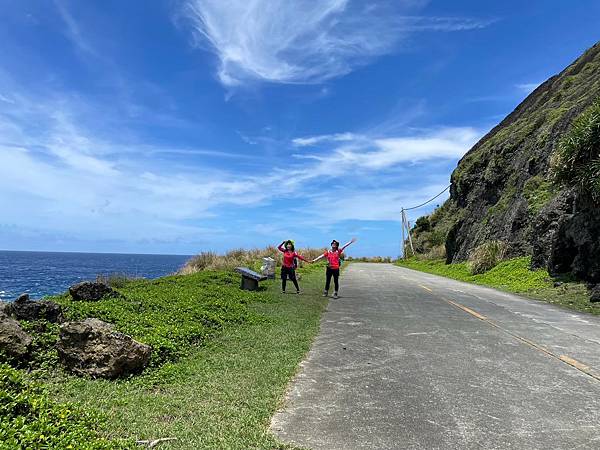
(46, 273)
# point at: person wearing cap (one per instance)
(333, 265)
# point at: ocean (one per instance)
(46, 273)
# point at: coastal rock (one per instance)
(92, 347)
(25, 309)
(23, 298)
(91, 291)
(14, 342)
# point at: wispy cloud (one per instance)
(73, 31)
(378, 153)
(527, 88)
(314, 140)
(286, 41)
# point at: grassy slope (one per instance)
(513, 276)
(222, 394)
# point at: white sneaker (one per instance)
(335, 295)
(325, 293)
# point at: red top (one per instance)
(333, 258)
(288, 257)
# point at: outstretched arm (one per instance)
(303, 258)
(352, 241)
(318, 258)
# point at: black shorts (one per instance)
(288, 272)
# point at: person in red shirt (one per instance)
(288, 266)
(333, 265)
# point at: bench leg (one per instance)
(248, 284)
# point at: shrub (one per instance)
(437, 252)
(487, 256)
(370, 259)
(422, 224)
(577, 159)
(31, 420)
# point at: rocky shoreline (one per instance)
(89, 347)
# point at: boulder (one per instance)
(566, 237)
(91, 291)
(14, 342)
(92, 347)
(25, 309)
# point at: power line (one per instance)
(428, 201)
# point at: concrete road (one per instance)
(406, 360)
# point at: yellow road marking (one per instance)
(564, 358)
(468, 310)
(426, 288)
(578, 365)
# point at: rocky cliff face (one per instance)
(501, 188)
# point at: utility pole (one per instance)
(406, 225)
(403, 246)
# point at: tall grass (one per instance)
(115, 280)
(487, 256)
(240, 257)
(577, 159)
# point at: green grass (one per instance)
(217, 395)
(538, 192)
(513, 276)
(31, 419)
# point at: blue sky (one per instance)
(185, 125)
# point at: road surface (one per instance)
(407, 360)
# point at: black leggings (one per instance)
(335, 273)
(291, 273)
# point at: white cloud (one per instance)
(305, 41)
(62, 176)
(372, 153)
(527, 88)
(66, 179)
(313, 140)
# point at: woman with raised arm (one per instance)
(288, 266)
(333, 265)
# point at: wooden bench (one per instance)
(250, 278)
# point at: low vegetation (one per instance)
(30, 419)
(538, 191)
(514, 275)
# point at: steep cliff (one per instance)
(504, 188)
